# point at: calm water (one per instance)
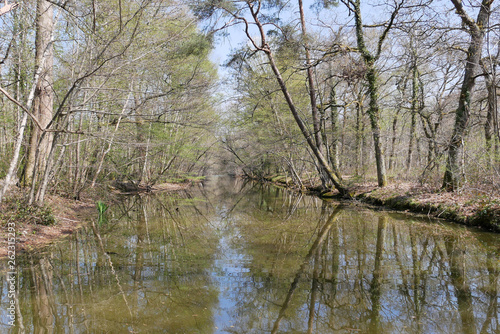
(230, 257)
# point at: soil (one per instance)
(69, 216)
(469, 207)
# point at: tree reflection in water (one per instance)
(235, 257)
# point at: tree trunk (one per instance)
(489, 125)
(371, 78)
(359, 134)
(44, 96)
(20, 135)
(321, 159)
(310, 80)
(312, 96)
(414, 106)
(76, 182)
(374, 114)
(323, 163)
(334, 115)
(393, 139)
(454, 164)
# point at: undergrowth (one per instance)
(19, 211)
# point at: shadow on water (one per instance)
(230, 256)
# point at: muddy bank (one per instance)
(36, 228)
(470, 208)
(466, 208)
(61, 216)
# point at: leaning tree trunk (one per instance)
(452, 175)
(319, 156)
(264, 47)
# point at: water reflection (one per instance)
(236, 257)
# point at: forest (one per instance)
(249, 166)
(326, 93)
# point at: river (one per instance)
(229, 256)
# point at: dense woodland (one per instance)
(114, 90)
(334, 91)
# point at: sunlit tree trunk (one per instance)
(19, 139)
(414, 107)
(359, 134)
(44, 95)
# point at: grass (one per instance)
(19, 211)
(101, 210)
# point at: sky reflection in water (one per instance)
(235, 257)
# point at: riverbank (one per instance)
(469, 207)
(39, 227)
(61, 216)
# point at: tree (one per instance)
(312, 94)
(254, 10)
(44, 95)
(476, 30)
(372, 78)
(99, 82)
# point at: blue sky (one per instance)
(235, 35)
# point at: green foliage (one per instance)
(101, 210)
(18, 211)
(198, 45)
(205, 9)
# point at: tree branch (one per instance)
(35, 120)
(466, 19)
(8, 7)
(387, 28)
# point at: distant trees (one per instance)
(111, 89)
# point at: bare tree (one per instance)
(370, 59)
(476, 30)
(260, 44)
